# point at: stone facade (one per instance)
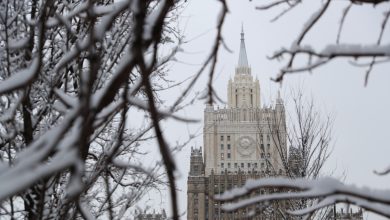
(151, 215)
(346, 214)
(239, 143)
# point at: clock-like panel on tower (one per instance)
(246, 146)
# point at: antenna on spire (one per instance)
(242, 30)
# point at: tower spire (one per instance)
(242, 59)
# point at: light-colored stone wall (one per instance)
(231, 141)
(243, 92)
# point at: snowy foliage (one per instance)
(69, 73)
(377, 52)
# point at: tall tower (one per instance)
(239, 143)
(243, 91)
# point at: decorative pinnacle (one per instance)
(242, 59)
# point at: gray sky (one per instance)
(362, 117)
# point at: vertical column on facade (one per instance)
(190, 199)
(202, 198)
(211, 195)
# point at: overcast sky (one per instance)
(361, 130)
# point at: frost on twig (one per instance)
(328, 191)
(332, 51)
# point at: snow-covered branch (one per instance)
(331, 51)
(66, 89)
(327, 190)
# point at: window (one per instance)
(196, 168)
(262, 155)
(228, 138)
(221, 146)
(228, 146)
(262, 165)
(229, 165)
(249, 165)
(222, 156)
(262, 147)
(242, 165)
(221, 137)
(228, 155)
(256, 165)
(222, 165)
(268, 137)
(235, 165)
(268, 146)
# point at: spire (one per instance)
(279, 99)
(242, 66)
(242, 59)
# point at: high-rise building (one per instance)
(151, 215)
(243, 141)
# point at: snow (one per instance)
(351, 49)
(309, 24)
(333, 50)
(73, 53)
(66, 99)
(151, 20)
(9, 114)
(330, 189)
(15, 44)
(30, 165)
(21, 78)
(112, 11)
(52, 22)
(85, 210)
(13, 181)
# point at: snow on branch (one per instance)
(328, 53)
(327, 190)
(80, 66)
(21, 78)
(338, 50)
(331, 51)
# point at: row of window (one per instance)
(227, 138)
(262, 146)
(263, 155)
(223, 156)
(228, 146)
(255, 165)
(261, 137)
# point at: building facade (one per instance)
(151, 215)
(243, 141)
(345, 214)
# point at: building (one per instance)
(345, 214)
(241, 141)
(151, 216)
